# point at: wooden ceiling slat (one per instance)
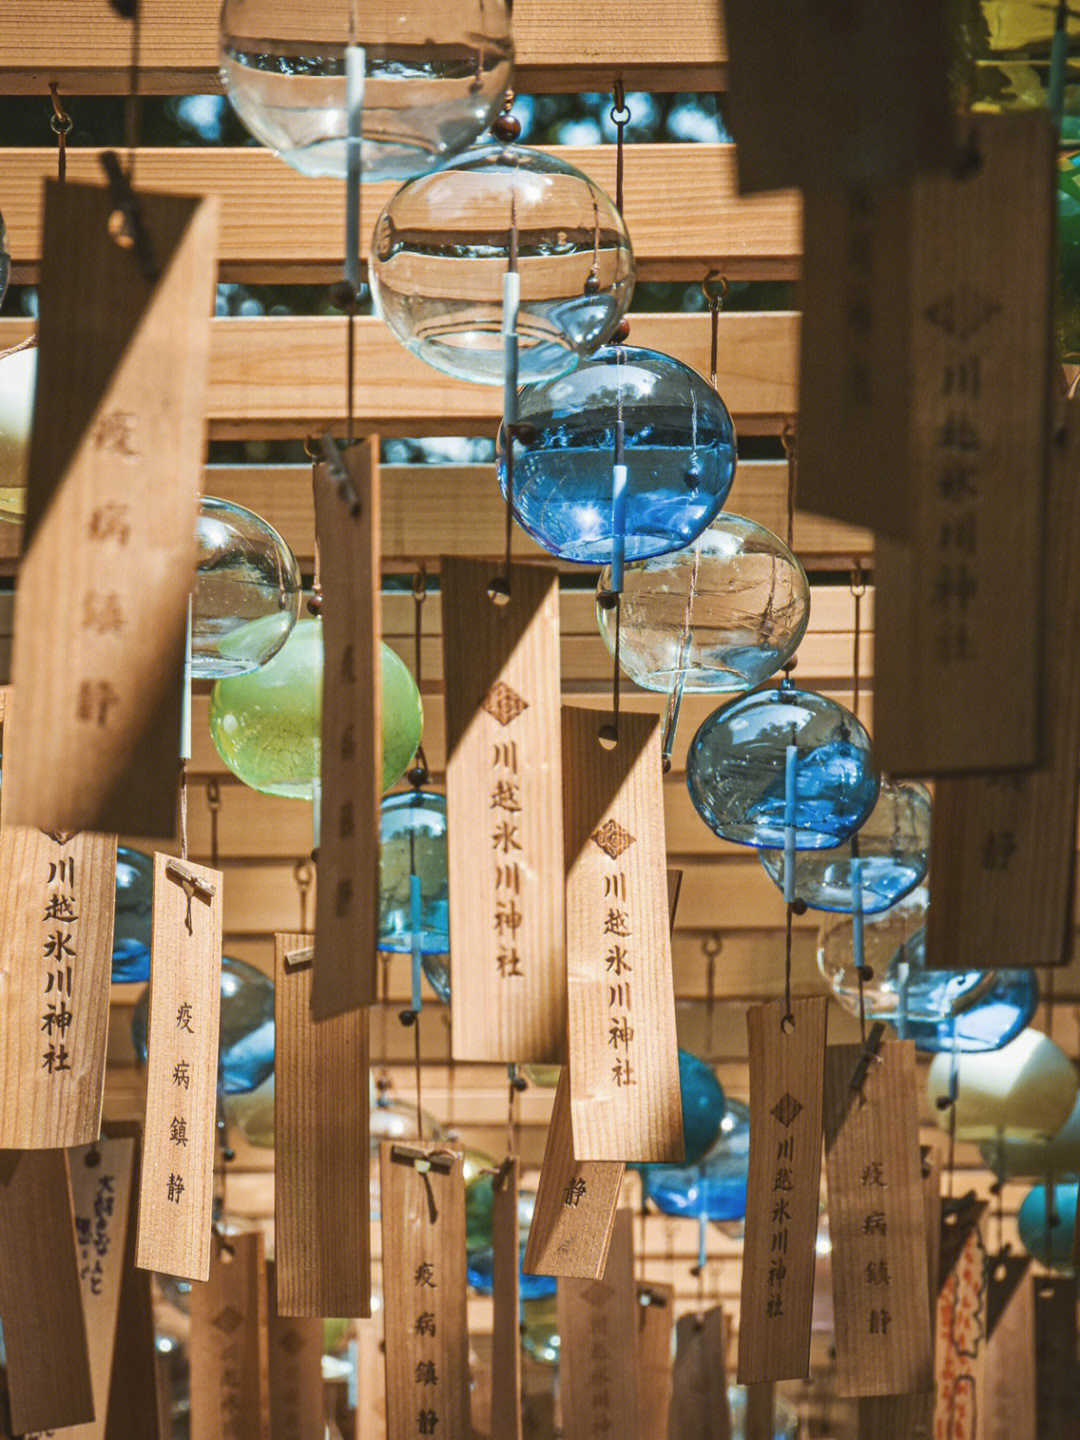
(284, 377)
(682, 209)
(562, 46)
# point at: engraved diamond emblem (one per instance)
(229, 1320)
(612, 839)
(504, 704)
(787, 1110)
(292, 1343)
(962, 313)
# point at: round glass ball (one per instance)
(716, 1186)
(252, 1113)
(893, 858)
(937, 1009)
(780, 759)
(133, 926)
(679, 452)
(721, 615)
(703, 1105)
(1025, 1091)
(1046, 1230)
(266, 725)
(18, 376)
(246, 1034)
(1024, 1159)
(247, 591)
(414, 888)
(434, 76)
(441, 250)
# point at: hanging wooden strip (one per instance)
(598, 1349)
(177, 1181)
(322, 1158)
(625, 1100)
(932, 1163)
(1007, 1407)
(699, 1400)
(576, 1202)
(370, 1380)
(57, 898)
(877, 1221)
(960, 1344)
(423, 1251)
(1057, 1375)
(48, 1362)
(230, 1363)
(759, 1423)
(875, 79)
(296, 1381)
(347, 899)
(854, 379)
(134, 1412)
(114, 478)
(982, 381)
(1003, 861)
(505, 1343)
(504, 803)
(787, 1071)
(896, 1417)
(655, 1329)
(101, 1176)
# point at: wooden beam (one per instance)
(284, 377)
(562, 46)
(434, 510)
(279, 227)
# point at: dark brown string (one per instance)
(61, 123)
(620, 116)
(792, 477)
(183, 810)
(213, 802)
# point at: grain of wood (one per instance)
(982, 383)
(699, 1404)
(876, 82)
(281, 227)
(423, 1246)
(874, 1170)
(283, 377)
(1004, 861)
(1057, 1376)
(598, 1351)
(48, 1362)
(322, 1161)
(176, 1186)
(345, 974)
(576, 1202)
(784, 1190)
(296, 1382)
(230, 1361)
(57, 898)
(504, 782)
(1007, 1404)
(111, 507)
(134, 1410)
(559, 45)
(655, 1331)
(506, 1417)
(625, 1104)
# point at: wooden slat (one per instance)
(284, 377)
(561, 45)
(434, 510)
(682, 209)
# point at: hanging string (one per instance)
(417, 777)
(711, 946)
(715, 289)
(213, 804)
(620, 118)
(788, 438)
(183, 810)
(61, 123)
(129, 10)
(516, 1084)
(858, 590)
(787, 1023)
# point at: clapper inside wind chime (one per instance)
(115, 471)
